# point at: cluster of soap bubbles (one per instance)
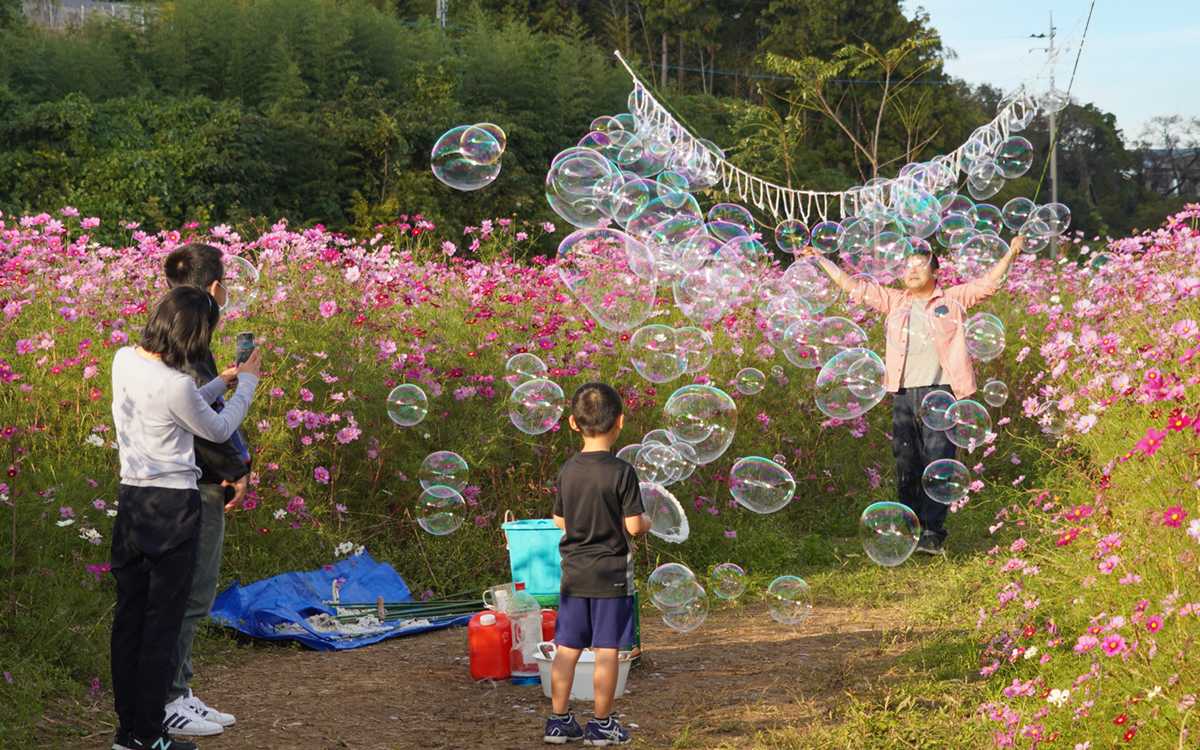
(683, 602)
(440, 508)
(966, 423)
(468, 157)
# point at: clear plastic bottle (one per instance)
(526, 617)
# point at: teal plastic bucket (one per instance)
(533, 554)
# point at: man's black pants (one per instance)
(153, 560)
(915, 445)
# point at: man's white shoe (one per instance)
(182, 719)
(208, 714)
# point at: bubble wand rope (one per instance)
(749, 186)
(1062, 114)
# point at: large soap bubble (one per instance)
(536, 406)
(1016, 212)
(791, 236)
(468, 157)
(691, 614)
(667, 519)
(850, 384)
(607, 271)
(946, 480)
(934, 410)
(909, 331)
(440, 510)
(811, 283)
(889, 533)
(1015, 156)
(695, 347)
(654, 354)
(444, 468)
(628, 454)
(799, 342)
(240, 282)
(970, 424)
(789, 600)
(660, 464)
(574, 186)
(704, 417)
(670, 585)
(995, 393)
(728, 581)
(521, 368)
(761, 485)
(985, 337)
(827, 236)
(1056, 217)
(750, 380)
(407, 405)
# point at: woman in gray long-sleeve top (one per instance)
(157, 411)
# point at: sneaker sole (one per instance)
(930, 552)
(185, 731)
(559, 740)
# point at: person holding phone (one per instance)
(157, 412)
(224, 477)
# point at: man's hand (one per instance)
(239, 491)
(1017, 244)
(810, 251)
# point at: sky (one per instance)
(1141, 58)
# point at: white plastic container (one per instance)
(582, 688)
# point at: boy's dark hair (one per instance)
(194, 264)
(180, 326)
(596, 407)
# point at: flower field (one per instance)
(1082, 528)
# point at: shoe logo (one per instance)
(162, 743)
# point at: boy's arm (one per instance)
(637, 525)
(560, 522)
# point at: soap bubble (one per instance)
(694, 345)
(1055, 216)
(667, 519)
(1051, 418)
(980, 253)
(622, 196)
(865, 289)
(1016, 212)
(672, 188)
(571, 186)
(730, 213)
(836, 335)
(761, 485)
(654, 355)
(535, 407)
(908, 331)
(995, 393)
(889, 533)
(468, 157)
(521, 368)
(703, 416)
(607, 271)
(1015, 156)
(988, 219)
(850, 384)
(970, 424)
(440, 510)
(985, 337)
(662, 437)
(728, 581)
(789, 600)
(811, 283)
(690, 615)
(240, 282)
(659, 464)
(779, 458)
(955, 230)
(628, 454)
(407, 405)
(750, 380)
(791, 236)
(777, 371)
(946, 480)
(703, 294)
(934, 408)
(826, 236)
(670, 585)
(946, 316)
(444, 468)
(1053, 100)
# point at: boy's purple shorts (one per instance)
(594, 623)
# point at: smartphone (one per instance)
(244, 345)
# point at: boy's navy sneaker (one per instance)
(559, 731)
(163, 741)
(609, 732)
(121, 741)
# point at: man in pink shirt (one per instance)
(919, 361)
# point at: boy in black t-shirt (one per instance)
(598, 506)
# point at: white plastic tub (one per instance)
(582, 688)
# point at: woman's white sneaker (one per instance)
(182, 719)
(208, 714)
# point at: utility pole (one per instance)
(441, 13)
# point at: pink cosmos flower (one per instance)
(1174, 516)
(321, 474)
(1113, 644)
(1151, 443)
(1107, 565)
(328, 308)
(1085, 644)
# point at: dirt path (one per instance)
(739, 674)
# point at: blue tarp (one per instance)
(289, 599)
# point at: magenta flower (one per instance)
(1153, 623)
(1112, 644)
(321, 474)
(1174, 516)
(328, 308)
(1151, 443)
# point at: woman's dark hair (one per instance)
(595, 407)
(180, 326)
(194, 264)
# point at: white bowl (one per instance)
(582, 687)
